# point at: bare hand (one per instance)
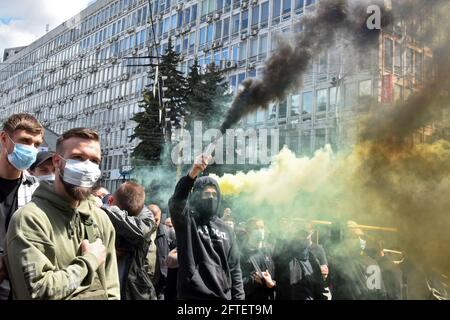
(97, 249)
(200, 164)
(172, 259)
(267, 278)
(324, 269)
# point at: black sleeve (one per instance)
(320, 254)
(178, 200)
(237, 286)
(136, 229)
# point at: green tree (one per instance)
(175, 88)
(149, 129)
(208, 96)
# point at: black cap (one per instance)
(41, 157)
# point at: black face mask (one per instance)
(207, 207)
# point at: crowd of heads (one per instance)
(74, 169)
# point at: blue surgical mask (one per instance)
(81, 173)
(47, 177)
(23, 156)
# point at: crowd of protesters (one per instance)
(62, 236)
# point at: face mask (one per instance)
(304, 243)
(256, 238)
(81, 173)
(48, 177)
(23, 156)
(362, 243)
(207, 207)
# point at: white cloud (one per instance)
(30, 17)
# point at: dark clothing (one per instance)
(420, 284)
(319, 253)
(133, 238)
(263, 259)
(298, 273)
(392, 278)
(165, 242)
(355, 275)
(8, 203)
(208, 256)
(170, 290)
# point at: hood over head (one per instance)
(204, 209)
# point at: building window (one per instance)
(299, 6)
(244, 20)
(306, 143)
(334, 97)
(264, 14)
(320, 139)
(255, 15)
(226, 27)
(350, 95)
(225, 56)
(227, 5)
(219, 4)
(388, 54)
(202, 39)
(276, 11)
(418, 67)
(409, 61)
(253, 47)
(282, 109)
(217, 58)
(286, 9)
(235, 23)
(295, 105)
(233, 83)
(210, 30)
(243, 51)
(194, 14)
(322, 68)
(398, 58)
(263, 46)
(307, 104)
(365, 88)
(187, 15)
(322, 100)
(218, 33)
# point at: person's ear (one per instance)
(4, 140)
(110, 200)
(56, 161)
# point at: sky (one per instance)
(24, 21)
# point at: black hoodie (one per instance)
(208, 256)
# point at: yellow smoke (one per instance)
(286, 176)
(379, 183)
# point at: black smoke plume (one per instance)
(285, 68)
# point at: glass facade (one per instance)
(78, 75)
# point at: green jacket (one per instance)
(44, 259)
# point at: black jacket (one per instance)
(165, 242)
(263, 259)
(208, 256)
(298, 273)
(133, 237)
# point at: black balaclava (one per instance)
(204, 209)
